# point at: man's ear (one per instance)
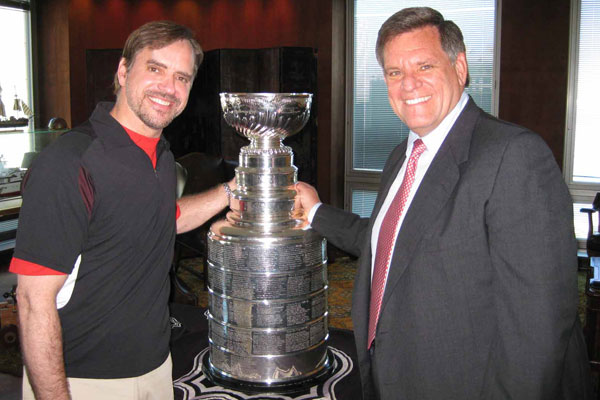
(122, 72)
(460, 65)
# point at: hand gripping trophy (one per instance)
(267, 273)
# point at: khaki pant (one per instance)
(155, 385)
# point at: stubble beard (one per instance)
(152, 118)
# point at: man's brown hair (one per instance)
(156, 35)
(412, 18)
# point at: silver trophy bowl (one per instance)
(260, 116)
(267, 273)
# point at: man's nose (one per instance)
(167, 84)
(410, 82)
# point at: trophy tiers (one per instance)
(264, 198)
(267, 274)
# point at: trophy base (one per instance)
(286, 387)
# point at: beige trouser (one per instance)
(155, 385)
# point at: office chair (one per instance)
(204, 171)
(180, 292)
(593, 239)
(592, 289)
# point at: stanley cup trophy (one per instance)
(267, 273)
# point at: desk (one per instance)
(189, 343)
(10, 206)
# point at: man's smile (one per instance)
(418, 100)
(159, 101)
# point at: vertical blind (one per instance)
(376, 130)
(363, 201)
(586, 168)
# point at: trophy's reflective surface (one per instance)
(267, 273)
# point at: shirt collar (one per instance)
(434, 139)
(110, 131)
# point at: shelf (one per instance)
(10, 205)
(14, 123)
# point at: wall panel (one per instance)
(534, 67)
(218, 24)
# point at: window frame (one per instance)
(580, 192)
(355, 179)
(21, 5)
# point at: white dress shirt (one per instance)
(433, 140)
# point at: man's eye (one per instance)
(152, 69)
(183, 79)
(425, 67)
(394, 73)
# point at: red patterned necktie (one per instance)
(387, 236)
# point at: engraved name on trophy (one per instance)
(267, 273)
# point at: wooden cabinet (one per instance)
(201, 126)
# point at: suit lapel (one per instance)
(433, 194)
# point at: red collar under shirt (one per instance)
(148, 144)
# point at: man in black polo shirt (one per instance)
(96, 234)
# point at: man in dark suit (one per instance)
(466, 285)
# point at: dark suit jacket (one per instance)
(481, 298)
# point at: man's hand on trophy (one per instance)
(306, 198)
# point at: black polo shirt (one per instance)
(94, 207)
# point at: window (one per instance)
(375, 129)
(15, 72)
(582, 139)
(16, 105)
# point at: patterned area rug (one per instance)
(336, 383)
(341, 281)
